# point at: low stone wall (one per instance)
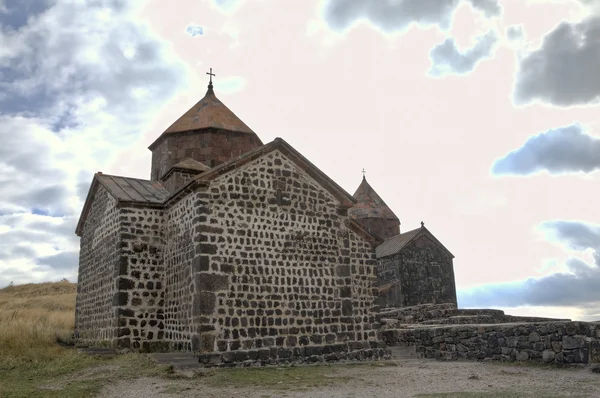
(309, 354)
(447, 313)
(562, 342)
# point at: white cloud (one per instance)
(567, 149)
(448, 59)
(398, 16)
(194, 30)
(230, 84)
(79, 82)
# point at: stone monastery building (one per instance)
(239, 250)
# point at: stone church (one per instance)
(243, 251)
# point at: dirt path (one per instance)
(402, 379)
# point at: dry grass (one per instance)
(33, 317)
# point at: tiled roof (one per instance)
(208, 112)
(369, 204)
(133, 189)
(191, 164)
(394, 244)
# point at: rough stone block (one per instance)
(195, 343)
(120, 299)
(200, 263)
(548, 356)
(211, 282)
(342, 271)
(204, 248)
(207, 342)
(594, 352)
(573, 342)
(203, 303)
(345, 291)
(347, 307)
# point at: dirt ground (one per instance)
(417, 378)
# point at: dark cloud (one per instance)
(394, 16)
(65, 261)
(17, 251)
(16, 13)
(564, 70)
(447, 59)
(561, 150)
(577, 287)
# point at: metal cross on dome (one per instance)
(364, 172)
(211, 75)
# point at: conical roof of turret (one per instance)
(209, 112)
(369, 204)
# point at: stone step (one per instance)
(96, 351)
(165, 361)
(401, 352)
(177, 359)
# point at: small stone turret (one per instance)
(372, 213)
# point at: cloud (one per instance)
(556, 151)
(79, 81)
(231, 84)
(15, 14)
(515, 32)
(564, 70)
(576, 287)
(397, 16)
(447, 59)
(228, 6)
(195, 30)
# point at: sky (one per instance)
(477, 117)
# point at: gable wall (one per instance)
(95, 318)
(425, 274)
(278, 282)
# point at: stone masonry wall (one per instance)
(563, 342)
(380, 227)
(176, 180)
(420, 273)
(178, 255)
(278, 276)
(211, 147)
(140, 278)
(98, 259)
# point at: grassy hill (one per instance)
(33, 317)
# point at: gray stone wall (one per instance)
(178, 255)
(380, 227)
(563, 342)
(420, 273)
(176, 180)
(277, 274)
(140, 296)
(95, 318)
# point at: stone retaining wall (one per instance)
(311, 354)
(447, 313)
(562, 342)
